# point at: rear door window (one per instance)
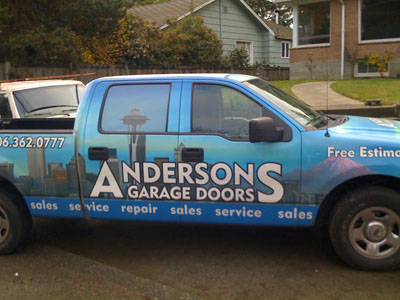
(136, 108)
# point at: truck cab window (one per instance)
(135, 108)
(46, 101)
(223, 110)
(5, 112)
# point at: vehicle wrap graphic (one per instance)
(199, 212)
(39, 165)
(156, 184)
(359, 147)
(185, 181)
(30, 142)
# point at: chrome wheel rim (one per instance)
(374, 232)
(4, 225)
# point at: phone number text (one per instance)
(31, 142)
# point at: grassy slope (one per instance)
(388, 90)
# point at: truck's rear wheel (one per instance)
(15, 222)
(365, 229)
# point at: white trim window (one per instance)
(313, 23)
(379, 20)
(362, 69)
(285, 52)
(248, 46)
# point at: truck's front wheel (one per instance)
(15, 222)
(365, 229)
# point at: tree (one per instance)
(190, 43)
(5, 18)
(266, 10)
(133, 3)
(239, 58)
(84, 17)
(185, 43)
(38, 46)
(134, 42)
(380, 62)
(100, 32)
(52, 31)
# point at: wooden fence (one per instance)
(7, 72)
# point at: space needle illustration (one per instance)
(135, 121)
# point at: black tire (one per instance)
(364, 229)
(15, 222)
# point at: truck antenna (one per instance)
(327, 134)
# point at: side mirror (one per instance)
(264, 130)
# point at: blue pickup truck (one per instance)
(210, 148)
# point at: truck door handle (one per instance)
(192, 154)
(98, 153)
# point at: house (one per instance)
(235, 23)
(333, 38)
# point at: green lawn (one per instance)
(386, 89)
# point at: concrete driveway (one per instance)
(75, 259)
(315, 94)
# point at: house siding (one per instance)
(236, 25)
(231, 20)
(275, 52)
(326, 59)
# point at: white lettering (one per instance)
(203, 174)
(240, 173)
(227, 176)
(184, 170)
(227, 194)
(134, 173)
(147, 176)
(201, 193)
(168, 171)
(101, 187)
(272, 183)
(332, 152)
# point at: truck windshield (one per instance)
(300, 112)
(48, 101)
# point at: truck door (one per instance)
(131, 132)
(233, 180)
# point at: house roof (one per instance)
(160, 13)
(292, 2)
(169, 10)
(281, 32)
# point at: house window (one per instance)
(248, 46)
(314, 23)
(285, 50)
(363, 69)
(380, 19)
